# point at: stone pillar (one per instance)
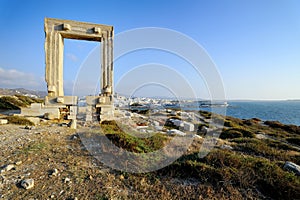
(110, 61)
(104, 62)
(107, 64)
(54, 45)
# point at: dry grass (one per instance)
(19, 120)
(17, 101)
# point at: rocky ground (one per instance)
(54, 158)
(51, 162)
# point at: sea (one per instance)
(286, 112)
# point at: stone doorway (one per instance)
(56, 30)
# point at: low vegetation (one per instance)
(236, 133)
(278, 125)
(239, 175)
(16, 102)
(133, 142)
(294, 140)
(19, 121)
(252, 169)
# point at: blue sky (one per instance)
(254, 44)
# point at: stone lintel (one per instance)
(61, 101)
(57, 24)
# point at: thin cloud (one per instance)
(12, 78)
(72, 57)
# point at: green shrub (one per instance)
(288, 128)
(205, 114)
(236, 133)
(228, 123)
(9, 103)
(274, 124)
(294, 140)
(131, 143)
(231, 133)
(17, 101)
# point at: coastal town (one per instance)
(148, 115)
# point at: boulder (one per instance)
(195, 136)
(7, 168)
(226, 146)
(176, 132)
(3, 121)
(290, 166)
(18, 162)
(204, 129)
(53, 172)
(27, 183)
(67, 180)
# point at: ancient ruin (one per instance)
(57, 105)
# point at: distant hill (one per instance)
(22, 91)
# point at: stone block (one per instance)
(102, 100)
(88, 118)
(188, 126)
(73, 110)
(3, 121)
(50, 101)
(60, 100)
(72, 116)
(52, 114)
(34, 120)
(70, 100)
(36, 112)
(97, 30)
(66, 27)
(73, 124)
(36, 106)
(92, 100)
(106, 112)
